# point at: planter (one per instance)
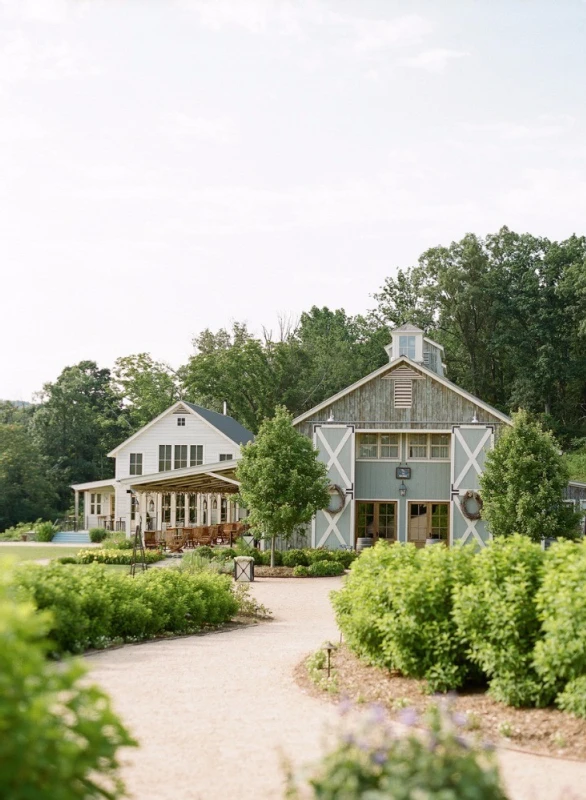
(363, 542)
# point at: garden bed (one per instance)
(546, 731)
(279, 572)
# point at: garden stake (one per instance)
(328, 647)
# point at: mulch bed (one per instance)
(273, 572)
(546, 731)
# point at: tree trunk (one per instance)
(272, 551)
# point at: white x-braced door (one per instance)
(335, 443)
(470, 444)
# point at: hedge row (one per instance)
(115, 556)
(511, 615)
(90, 608)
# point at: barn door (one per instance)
(334, 528)
(470, 444)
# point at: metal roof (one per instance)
(227, 425)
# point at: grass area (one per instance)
(35, 552)
(576, 460)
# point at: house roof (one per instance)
(407, 328)
(226, 425)
(81, 487)
(218, 477)
(386, 368)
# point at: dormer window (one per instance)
(181, 422)
(407, 346)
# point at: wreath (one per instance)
(465, 499)
(337, 494)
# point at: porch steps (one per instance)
(72, 537)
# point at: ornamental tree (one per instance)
(282, 483)
(523, 483)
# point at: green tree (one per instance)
(146, 387)
(26, 492)
(281, 481)
(523, 482)
(58, 736)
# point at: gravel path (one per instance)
(215, 714)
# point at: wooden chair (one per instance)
(204, 535)
(150, 540)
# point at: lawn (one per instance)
(28, 552)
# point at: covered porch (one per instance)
(98, 506)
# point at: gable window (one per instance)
(180, 422)
(95, 503)
(407, 346)
(435, 446)
(166, 508)
(195, 455)
(164, 457)
(136, 463)
(378, 445)
(226, 456)
(180, 456)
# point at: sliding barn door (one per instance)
(470, 444)
(335, 528)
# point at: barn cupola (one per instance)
(411, 342)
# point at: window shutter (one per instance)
(403, 393)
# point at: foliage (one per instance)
(92, 608)
(145, 386)
(98, 534)
(496, 615)
(523, 482)
(223, 554)
(300, 571)
(276, 557)
(68, 560)
(248, 605)
(396, 610)
(115, 556)
(45, 531)
(204, 551)
(16, 532)
(117, 541)
(560, 654)
(370, 760)
(294, 558)
(325, 569)
(576, 461)
(282, 482)
(60, 735)
(316, 665)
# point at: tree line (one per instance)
(510, 310)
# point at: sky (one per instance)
(173, 165)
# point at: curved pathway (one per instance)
(215, 715)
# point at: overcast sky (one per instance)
(171, 165)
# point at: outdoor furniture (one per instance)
(150, 540)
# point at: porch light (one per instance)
(474, 419)
(330, 419)
(402, 489)
(151, 506)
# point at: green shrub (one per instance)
(115, 556)
(60, 736)
(16, 533)
(204, 551)
(295, 558)
(370, 760)
(300, 571)
(224, 554)
(45, 531)
(266, 558)
(91, 607)
(497, 616)
(98, 534)
(319, 555)
(67, 560)
(345, 557)
(560, 655)
(117, 541)
(325, 569)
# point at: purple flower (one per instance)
(344, 706)
(379, 757)
(409, 717)
(461, 720)
(348, 738)
(378, 712)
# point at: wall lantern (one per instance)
(330, 419)
(151, 506)
(402, 489)
(474, 419)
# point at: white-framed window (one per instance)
(133, 507)
(165, 451)
(166, 508)
(195, 455)
(180, 456)
(193, 508)
(226, 456)
(435, 446)
(204, 512)
(95, 503)
(180, 422)
(180, 509)
(223, 510)
(407, 346)
(136, 463)
(378, 445)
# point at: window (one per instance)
(223, 510)
(136, 463)
(193, 508)
(164, 457)
(407, 346)
(378, 445)
(226, 456)
(195, 455)
(214, 520)
(376, 519)
(417, 445)
(180, 456)
(204, 512)
(440, 520)
(180, 509)
(133, 507)
(440, 445)
(95, 504)
(180, 422)
(166, 508)
(428, 520)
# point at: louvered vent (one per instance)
(403, 393)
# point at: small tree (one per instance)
(281, 481)
(523, 483)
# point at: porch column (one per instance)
(76, 508)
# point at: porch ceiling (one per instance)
(207, 478)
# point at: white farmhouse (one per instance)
(185, 438)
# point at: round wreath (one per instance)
(465, 499)
(337, 493)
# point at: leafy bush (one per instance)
(497, 616)
(345, 557)
(295, 558)
(16, 533)
(266, 558)
(204, 551)
(560, 655)
(115, 556)
(117, 541)
(224, 554)
(325, 569)
(370, 760)
(91, 607)
(248, 605)
(60, 735)
(45, 531)
(68, 560)
(98, 534)
(319, 555)
(300, 571)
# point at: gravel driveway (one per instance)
(215, 714)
